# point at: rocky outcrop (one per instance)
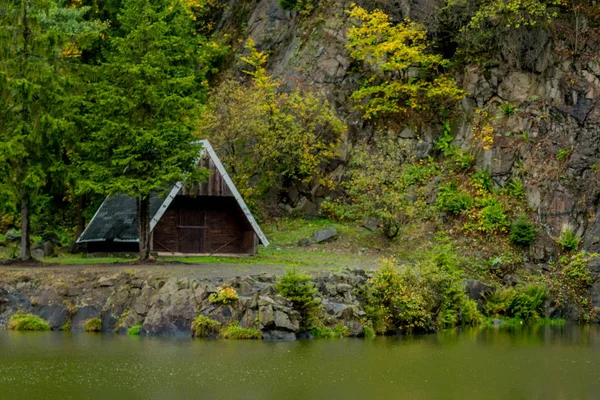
(555, 98)
(167, 307)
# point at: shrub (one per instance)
(369, 332)
(225, 295)
(301, 292)
(93, 325)
(341, 330)
(524, 303)
(527, 304)
(577, 272)
(482, 181)
(27, 322)
(522, 233)
(508, 109)
(233, 331)
(134, 330)
(568, 240)
(453, 200)
(470, 313)
(203, 326)
(66, 326)
(492, 217)
(417, 298)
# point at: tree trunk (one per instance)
(143, 211)
(80, 218)
(25, 244)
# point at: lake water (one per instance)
(537, 363)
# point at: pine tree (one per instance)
(39, 45)
(143, 122)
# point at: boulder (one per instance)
(283, 321)
(477, 290)
(43, 249)
(325, 234)
(82, 315)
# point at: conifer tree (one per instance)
(141, 139)
(39, 46)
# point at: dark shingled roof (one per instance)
(116, 220)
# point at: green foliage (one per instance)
(268, 138)
(203, 326)
(134, 330)
(225, 295)
(445, 140)
(492, 217)
(39, 71)
(522, 232)
(66, 327)
(405, 82)
(92, 325)
(453, 200)
(27, 322)
(423, 297)
(338, 331)
(564, 154)
(508, 109)
(380, 183)
(515, 188)
(369, 332)
(470, 313)
(487, 30)
(482, 181)
(233, 331)
(576, 270)
(523, 302)
(568, 240)
(299, 289)
(143, 111)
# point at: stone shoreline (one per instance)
(167, 306)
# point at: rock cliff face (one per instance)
(556, 99)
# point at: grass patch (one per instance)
(338, 331)
(203, 326)
(234, 331)
(134, 330)
(93, 325)
(27, 322)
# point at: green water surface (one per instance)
(536, 363)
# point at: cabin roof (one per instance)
(116, 219)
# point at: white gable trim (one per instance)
(206, 147)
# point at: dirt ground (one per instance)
(172, 269)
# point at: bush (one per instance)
(233, 331)
(203, 326)
(568, 240)
(524, 303)
(27, 322)
(470, 313)
(423, 298)
(492, 218)
(301, 292)
(453, 200)
(369, 332)
(323, 332)
(225, 295)
(482, 181)
(134, 330)
(522, 233)
(93, 325)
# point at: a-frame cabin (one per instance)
(208, 218)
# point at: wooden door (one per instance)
(191, 230)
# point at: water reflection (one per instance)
(543, 362)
